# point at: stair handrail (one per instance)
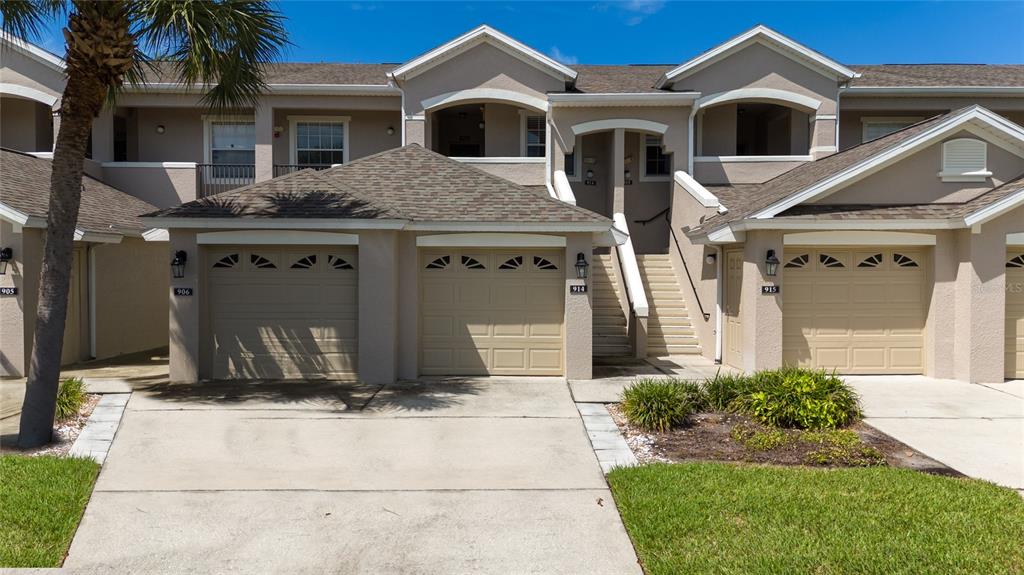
(686, 268)
(631, 270)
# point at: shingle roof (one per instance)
(407, 183)
(25, 187)
(938, 75)
(302, 73)
(636, 78)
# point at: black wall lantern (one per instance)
(178, 264)
(6, 255)
(581, 266)
(771, 263)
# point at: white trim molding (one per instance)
(858, 238)
(293, 122)
(41, 55)
(290, 89)
(97, 237)
(698, 192)
(824, 149)
(935, 90)
(496, 240)
(484, 95)
(750, 159)
(805, 103)
(1015, 239)
(277, 237)
(769, 38)
(165, 165)
(28, 93)
(156, 235)
(496, 160)
(995, 210)
(617, 123)
(640, 99)
(563, 190)
(475, 37)
(631, 270)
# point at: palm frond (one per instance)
(24, 19)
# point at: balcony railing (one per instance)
(282, 169)
(216, 178)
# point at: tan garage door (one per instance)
(491, 312)
(280, 313)
(855, 310)
(1015, 315)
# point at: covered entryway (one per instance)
(1015, 315)
(282, 313)
(490, 311)
(855, 310)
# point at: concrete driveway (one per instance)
(976, 429)
(447, 476)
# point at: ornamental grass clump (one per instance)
(798, 398)
(70, 398)
(659, 404)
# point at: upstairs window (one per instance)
(535, 137)
(964, 160)
(570, 164)
(319, 142)
(657, 164)
(232, 142)
(876, 127)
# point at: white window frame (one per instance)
(208, 121)
(866, 121)
(523, 115)
(643, 161)
(957, 175)
(577, 157)
(293, 129)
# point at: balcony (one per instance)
(283, 169)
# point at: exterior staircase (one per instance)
(611, 337)
(669, 330)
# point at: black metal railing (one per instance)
(282, 169)
(667, 213)
(216, 178)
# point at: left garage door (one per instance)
(282, 313)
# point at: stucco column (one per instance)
(408, 306)
(940, 334)
(18, 311)
(761, 314)
(415, 130)
(618, 171)
(265, 143)
(102, 136)
(184, 310)
(579, 320)
(378, 306)
(980, 306)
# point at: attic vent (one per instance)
(964, 160)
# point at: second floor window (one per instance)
(535, 136)
(319, 143)
(656, 162)
(232, 142)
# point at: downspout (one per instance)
(550, 148)
(690, 152)
(719, 293)
(90, 255)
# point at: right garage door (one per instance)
(1015, 315)
(855, 310)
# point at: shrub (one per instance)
(695, 394)
(797, 397)
(70, 397)
(756, 439)
(840, 447)
(723, 389)
(657, 404)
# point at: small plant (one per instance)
(657, 404)
(695, 394)
(70, 398)
(757, 439)
(801, 398)
(840, 447)
(723, 389)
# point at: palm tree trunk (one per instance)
(82, 101)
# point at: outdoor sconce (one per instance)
(160, 129)
(480, 125)
(710, 259)
(628, 174)
(590, 174)
(771, 263)
(581, 266)
(178, 264)
(6, 255)
(390, 131)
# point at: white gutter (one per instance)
(313, 89)
(631, 270)
(563, 190)
(933, 90)
(623, 99)
(719, 298)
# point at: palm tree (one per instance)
(218, 45)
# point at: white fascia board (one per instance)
(995, 210)
(495, 240)
(698, 192)
(41, 155)
(41, 55)
(609, 239)
(566, 227)
(858, 238)
(934, 90)
(302, 89)
(887, 157)
(14, 216)
(749, 159)
(168, 165)
(97, 237)
(623, 99)
(277, 237)
(484, 95)
(275, 223)
(763, 35)
(478, 35)
(156, 235)
(28, 93)
(1015, 239)
(497, 160)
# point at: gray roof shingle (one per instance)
(939, 75)
(25, 187)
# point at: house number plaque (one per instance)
(768, 290)
(8, 291)
(182, 291)
(578, 289)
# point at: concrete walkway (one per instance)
(976, 429)
(446, 476)
(612, 375)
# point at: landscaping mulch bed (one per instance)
(710, 437)
(64, 432)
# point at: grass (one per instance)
(744, 519)
(41, 502)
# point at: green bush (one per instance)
(756, 439)
(797, 397)
(70, 397)
(657, 404)
(695, 394)
(840, 447)
(723, 389)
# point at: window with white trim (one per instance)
(657, 164)
(964, 160)
(319, 142)
(535, 136)
(232, 141)
(573, 161)
(876, 127)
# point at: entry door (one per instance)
(1014, 364)
(733, 326)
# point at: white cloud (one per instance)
(563, 58)
(638, 10)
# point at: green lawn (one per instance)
(724, 518)
(41, 503)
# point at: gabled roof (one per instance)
(475, 37)
(38, 54)
(25, 193)
(938, 76)
(408, 184)
(765, 36)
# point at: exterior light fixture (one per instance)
(590, 174)
(628, 174)
(771, 263)
(178, 264)
(481, 125)
(160, 129)
(6, 255)
(581, 266)
(710, 259)
(390, 131)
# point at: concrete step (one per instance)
(611, 351)
(669, 330)
(673, 350)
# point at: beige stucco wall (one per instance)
(502, 130)
(914, 180)
(132, 279)
(25, 125)
(161, 186)
(689, 264)
(761, 314)
(526, 174)
(22, 70)
(367, 131)
(378, 306)
(17, 312)
(731, 172)
(185, 317)
(579, 328)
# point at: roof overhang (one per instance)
(273, 89)
(48, 59)
(933, 91)
(768, 38)
(736, 231)
(23, 220)
(480, 35)
(639, 99)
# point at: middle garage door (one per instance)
(855, 310)
(494, 312)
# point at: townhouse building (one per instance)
(485, 209)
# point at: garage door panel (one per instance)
(868, 358)
(832, 357)
(830, 292)
(1014, 362)
(435, 292)
(907, 358)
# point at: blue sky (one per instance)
(653, 31)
